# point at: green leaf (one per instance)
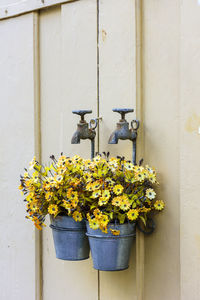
(111, 215)
(143, 220)
(93, 206)
(121, 218)
(134, 205)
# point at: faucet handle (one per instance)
(123, 112)
(82, 113)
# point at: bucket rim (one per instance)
(57, 228)
(110, 236)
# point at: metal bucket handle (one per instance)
(150, 226)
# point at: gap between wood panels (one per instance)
(140, 144)
(98, 104)
(37, 150)
(98, 108)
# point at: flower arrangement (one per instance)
(102, 190)
(119, 192)
(57, 189)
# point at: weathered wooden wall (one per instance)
(88, 61)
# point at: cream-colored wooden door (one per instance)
(80, 70)
(82, 55)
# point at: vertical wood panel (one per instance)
(68, 58)
(140, 247)
(161, 129)
(189, 151)
(117, 89)
(37, 138)
(17, 259)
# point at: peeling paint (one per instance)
(104, 35)
(193, 123)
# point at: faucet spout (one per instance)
(113, 138)
(83, 131)
(76, 138)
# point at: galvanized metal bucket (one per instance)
(70, 240)
(111, 252)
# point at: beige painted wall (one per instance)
(69, 80)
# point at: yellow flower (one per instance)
(30, 197)
(138, 169)
(74, 196)
(116, 201)
(152, 178)
(66, 205)
(97, 213)
(129, 166)
(106, 194)
(96, 194)
(33, 207)
(113, 163)
(21, 187)
(89, 186)
(26, 175)
(115, 232)
(58, 178)
(109, 181)
(102, 201)
(151, 174)
(145, 174)
(32, 163)
(76, 158)
(87, 163)
(159, 205)
(113, 160)
(88, 217)
(149, 169)
(74, 203)
(103, 229)
(97, 158)
(49, 196)
(49, 183)
(145, 209)
(125, 205)
(96, 185)
(62, 161)
(124, 198)
(132, 214)
(35, 177)
(69, 192)
(150, 193)
(93, 224)
(139, 176)
(53, 209)
(104, 220)
(118, 189)
(77, 216)
(37, 223)
(87, 177)
(28, 184)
